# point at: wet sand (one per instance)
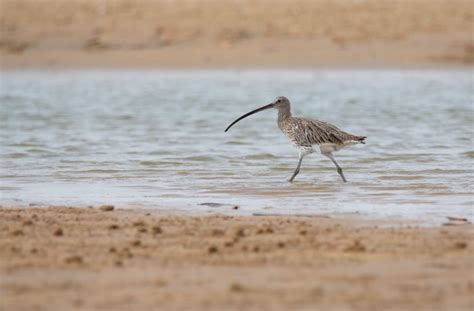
(237, 34)
(61, 258)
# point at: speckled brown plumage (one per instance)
(307, 132)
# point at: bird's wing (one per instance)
(308, 131)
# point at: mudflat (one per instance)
(65, 258)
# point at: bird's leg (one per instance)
(339, 169)
(300, 159)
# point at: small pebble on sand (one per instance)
(58, 232)
(107, 208)
(460, 245)
(452, 218)
(240, 233)
(157, 230)
(217, 232)
(27, 223)
(139, 223)
(355, 247)
(136, 243)
(236, 287)
(212, 249)
(73, 259)
(17, 233)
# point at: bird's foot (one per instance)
(339, 171)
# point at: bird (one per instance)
(307, 134)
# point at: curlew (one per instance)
(307, 134)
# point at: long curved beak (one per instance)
(250, 113)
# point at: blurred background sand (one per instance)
(226, 33)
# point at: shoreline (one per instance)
(246, 68)
(211, 57)
(249, 68)
(211, 209)
(60, 258)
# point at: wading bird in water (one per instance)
(306, 134)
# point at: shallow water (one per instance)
(156, 139)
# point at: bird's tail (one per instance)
(361, 139)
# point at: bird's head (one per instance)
(281, 102)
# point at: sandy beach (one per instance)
(235, 34)
(62, 258)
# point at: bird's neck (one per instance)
(284, 113)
